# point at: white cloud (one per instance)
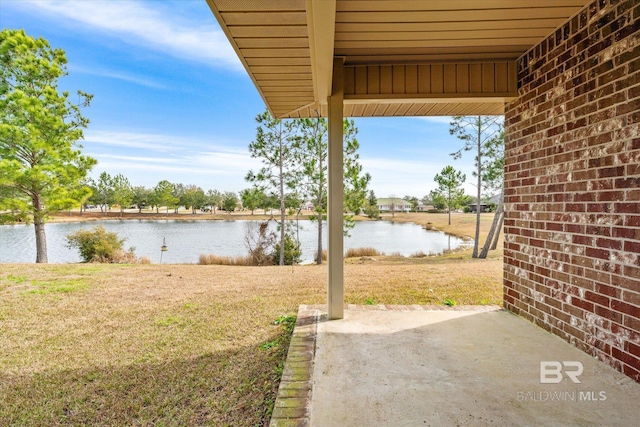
(135, 22)
(150, 158)
(143, 81)
(159, 142)
(407, 177)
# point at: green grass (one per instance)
(57, 287)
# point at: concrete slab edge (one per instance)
(291, 408)
(413, 307)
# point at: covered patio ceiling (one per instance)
(401, 57)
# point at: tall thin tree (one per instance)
(476, 132)
(449, 188)
(275, 146)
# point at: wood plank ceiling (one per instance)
(399, 38)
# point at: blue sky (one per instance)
(172, 101)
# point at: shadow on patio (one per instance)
(437, 366)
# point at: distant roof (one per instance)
(388, 201)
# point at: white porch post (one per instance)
(335, 252)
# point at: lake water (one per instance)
(186, 240)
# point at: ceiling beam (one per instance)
(485, 80)
(321, 23)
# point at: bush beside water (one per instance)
(100, 245)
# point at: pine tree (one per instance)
(42, 169)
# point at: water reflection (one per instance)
(186, 240)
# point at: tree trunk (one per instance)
(282, 230)
(494, 225)
(449, 206)
(494, 245)
(319, 207)
(319, 249)
(41, 237)
(479, 193)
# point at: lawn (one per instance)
(183, 344)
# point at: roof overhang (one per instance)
(401, 57)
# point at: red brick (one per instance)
(631, 372)
(633, 348)
(585, 305)
(631, 297)
(626, 233)
(608, 290)
(628, 309)
(609, 243)
(608, 314)
(632, 246)
(597, 298)
(625, 357)
(598, 253)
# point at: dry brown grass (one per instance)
(212, 259)
(360, 252)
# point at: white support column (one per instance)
(335, 252)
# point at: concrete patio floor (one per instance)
(416, 366)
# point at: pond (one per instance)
(186, 240)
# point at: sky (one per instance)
(172, 101)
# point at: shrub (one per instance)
(360, 252)
(100, 245)
(372, 212)
(292, 251)
(258, 240)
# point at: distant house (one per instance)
(393, 204)
(486, 205)
(308, 206)
(424, 208)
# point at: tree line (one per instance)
(108, 190)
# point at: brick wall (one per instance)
(572, 185)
